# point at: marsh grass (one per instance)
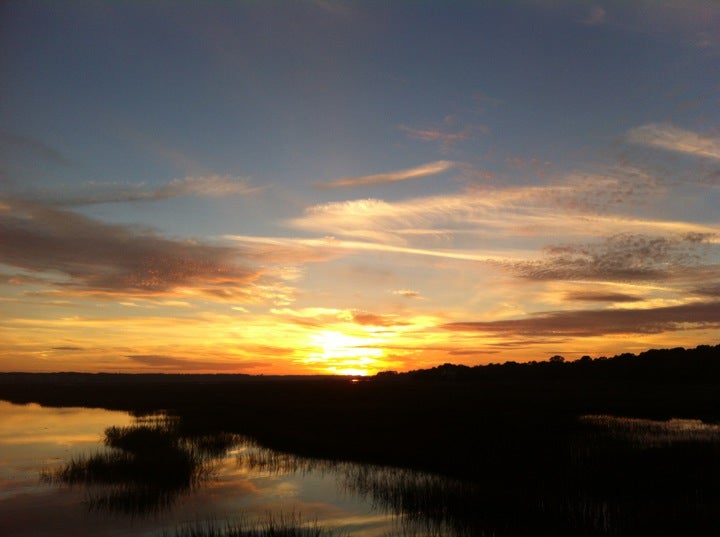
(144, 468)
(645, 477)
(283, 524)
(645, 433)
(609, 476)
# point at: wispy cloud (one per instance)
(588, 323)
(425, 170)
(328, 248)
(115, 259)
(436, 135)
(173, 363)
(446, 135)
(666, 136)
(94, 193)
(373, 319)
(493, 213)
(407, 293)
(327, 317)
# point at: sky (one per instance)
(347, 187)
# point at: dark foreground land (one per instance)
(516, 430)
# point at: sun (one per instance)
(342, 354)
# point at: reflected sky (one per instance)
(34, 439)
(246, 482)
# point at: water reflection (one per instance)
(422, 503)
(150, 463)
(154, 474)
(148, 466)
(609, 476)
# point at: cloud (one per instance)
(600, 296)
(336, 248)
(436, 135)
(498, 213)
(425, 170)
(288, 251)
(210, 185)
(394, 222)
(206, 186)
(446, 136)
(324, 317)
(105, 258)
(622, 257)
(181, 364)
(587, 323)
(407, 293)
(712, 290)
(601, 191)
(672, 138)
(373, 319)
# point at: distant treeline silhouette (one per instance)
(670, 364)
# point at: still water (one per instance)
(78, 471)
(233, 480)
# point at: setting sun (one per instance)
(343, 354)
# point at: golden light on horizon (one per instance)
(343, 354)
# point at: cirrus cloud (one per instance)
(425, 170)
(666, 136)
(201, 186)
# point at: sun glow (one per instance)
(342, 354)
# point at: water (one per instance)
(239, 481)
(78, 471)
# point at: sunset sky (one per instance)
(296, 187)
